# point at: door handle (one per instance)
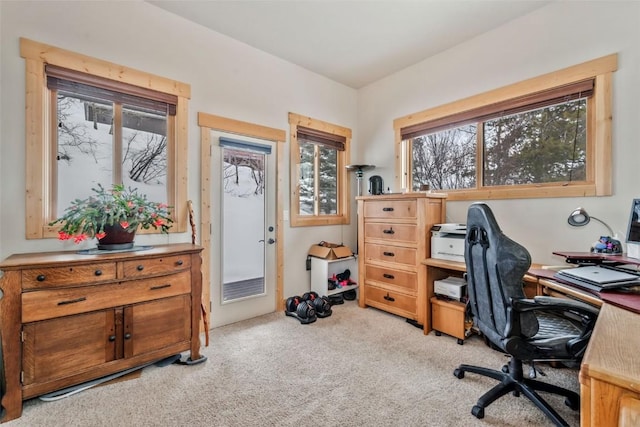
(270, 241)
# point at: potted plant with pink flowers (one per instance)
(112, 216)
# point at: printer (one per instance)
(450, 287)
(447, 241)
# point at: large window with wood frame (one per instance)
(86, 127)
(546, 137)
(319, 187)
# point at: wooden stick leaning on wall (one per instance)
(192, 221)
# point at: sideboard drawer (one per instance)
(154, 266)
(68, 276)
(392, 209)
(48, 304)
(402, 279)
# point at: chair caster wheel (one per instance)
(460, 342)
(505, 369)
(516, 393)
(438, 333)
(572, 403)
(477, 412)
(458, 373)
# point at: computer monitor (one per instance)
(633, 232)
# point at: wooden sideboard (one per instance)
(68, 318)
(394, 236)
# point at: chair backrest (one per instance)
(496, 266)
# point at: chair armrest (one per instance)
(544, 303)
(516, 342)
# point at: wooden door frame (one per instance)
(207, 123)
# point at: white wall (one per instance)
(227, 78)
(559, 35)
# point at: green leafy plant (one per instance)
(87, 218)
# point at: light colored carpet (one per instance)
(358, 367)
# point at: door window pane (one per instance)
(243, 224)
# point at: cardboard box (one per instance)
(328, 250)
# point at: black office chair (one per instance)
(538, 329)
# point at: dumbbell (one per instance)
(322, 305)
(300, 308)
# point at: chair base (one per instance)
(514, 381)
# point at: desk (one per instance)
(454, 314)
(610, 371)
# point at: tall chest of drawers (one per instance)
(394, 235)
(68, 318)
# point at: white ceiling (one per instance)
(352, 42)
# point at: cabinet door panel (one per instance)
(157, 324)
(52, 348)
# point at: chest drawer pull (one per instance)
(388, 254)
(389, 231)
(98, 273)
(112, 338)
(153, 288)
(41, 278)
(388, 298)
(387, 209)
(72, 301)
(388, 276)
(127, 336)
(140, 267)
(179, 262)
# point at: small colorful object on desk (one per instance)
(607, 245)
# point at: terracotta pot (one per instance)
(117, 238)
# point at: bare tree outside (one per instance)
(539, 146)
(445, 160)
(239, 164)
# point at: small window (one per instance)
(546, 137)
(319, 154)
(86, 127)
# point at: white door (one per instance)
(243, 275)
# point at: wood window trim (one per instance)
(40, 179)
(599, 123)
(344, 214)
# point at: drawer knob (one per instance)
(41, 278)
(112, 338)
(387, 209)
(179, 262)
(98, 273)
(389, 231)
(127, 336)
(388, 298)
(388, 276)
(388, 254)
(140, 267)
